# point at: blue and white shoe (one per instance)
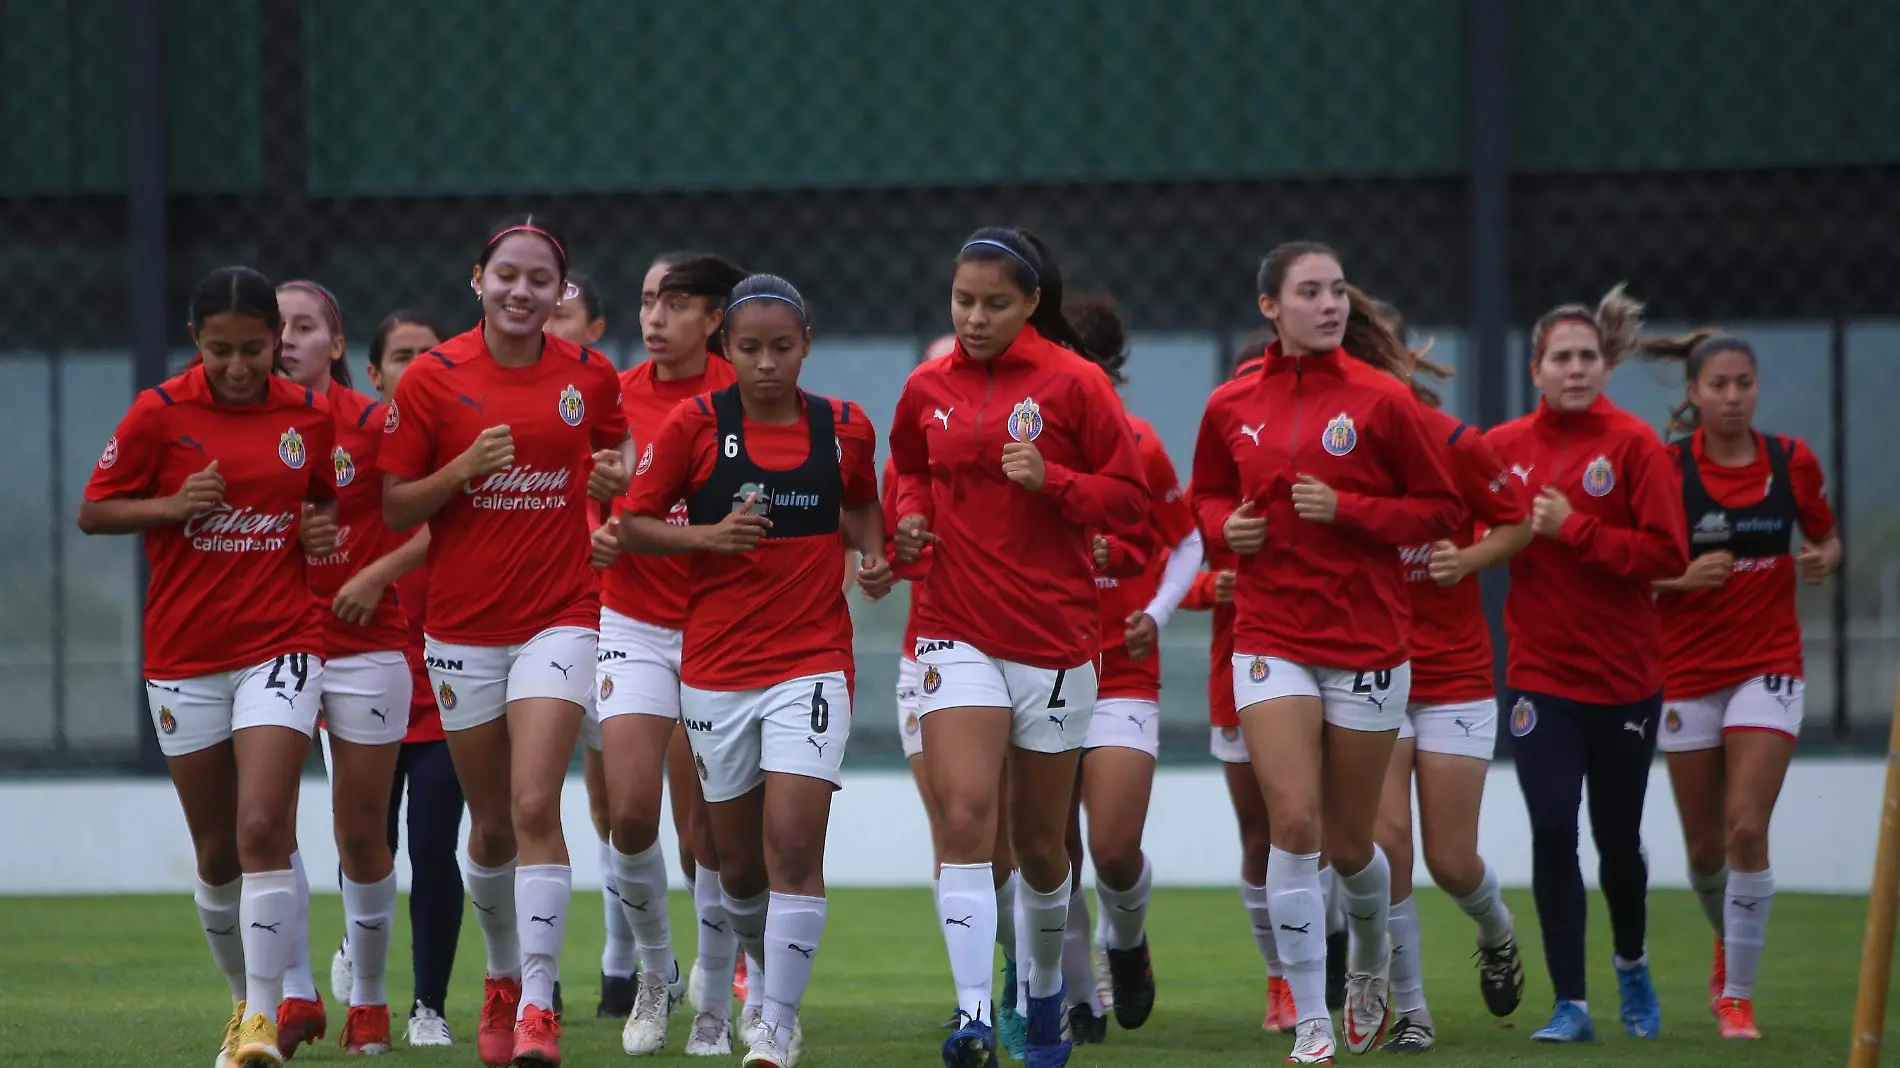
(1011, 1029)
(972, 1046)
(1048, 1025)
(1568, 1023)
(1642, 1014)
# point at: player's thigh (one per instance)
(805, 727)
(723, 727)
(1052, 709)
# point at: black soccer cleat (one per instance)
(1131, 976)
(1336, 971)
(1084, 1026)
(1501, 978)
(616, 997)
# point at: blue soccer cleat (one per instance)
(972, 1046)
(1011, 1029)
(1642, 1014)
(1568, 1023)
(1048, 1039)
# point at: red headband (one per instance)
(530, 228)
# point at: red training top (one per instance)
(1013, 574)
(425, 717)
(778, 612)
(508, 555)
(229, 589)
(1169, 520)
(1220, 654)
(1328, 595)
(1580, 618)
(1451, 642)
(361, 537)
(653, 589)
(1719, 638)
(912, 573)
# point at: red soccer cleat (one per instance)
(1736, 1017)
(495, 1033)
(299, 1023)
(538, 1039)
(739, 978)
(1718, 975)
(366, 1030)
(1280, 1014)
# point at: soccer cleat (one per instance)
(537, 1039)
(1642, 1015)
(300, 1023)
(1012, 1030)
(1313, 1044)
(711, 1037)
(952, 1021)
(1501, 977)
(428, 1028)
(254, 1043)
(972, 1045)
(366, 1030)
(645, 1031)
(1411, 1033)
(739, 982)
(1368, 1010)
(1132, 979)
(557, 997)
(752, 1025)
(1281, 1015)
(766, 1051)
(1718, 973)
(229, 1044)
(1568, 1023)
(1048, 1044)
(1736, 1018)
(1336, 945)
(1104, 987)
(1086, 1028)
(495, 1030)
(342, 975)
(616, 996)
(694, 981)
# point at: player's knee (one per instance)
(490, 844)
(1119, 872)
(362, 847)
(537, 813)
(264, 839)
(1747, 842)
(969, 830)
(634, 833)
(218, 859)
(1455, 870)
(1299, 831)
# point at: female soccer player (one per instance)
(1608, 520)
(366, 686)
(637, 688)
(1450, 724)
(220, 470)
(1732, 689)
(490, 441)
(772, 478)
(1314, 476)
(1009, 452)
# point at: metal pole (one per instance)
(59, 524)
(1837, 415)
(145, 245)
(1488, 118)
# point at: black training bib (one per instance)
(1765, 528)
(801, 503)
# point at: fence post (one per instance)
(1487, 122)
(1837, 415)
(145, 259)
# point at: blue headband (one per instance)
(1020, 258)
(769, 296)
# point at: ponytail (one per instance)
(1098, 321)
(1375, 336)
(1618, 321)
(1032, 266)
(1692, 350)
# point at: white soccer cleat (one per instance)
(768, 1052)
(1314, 1043)
(752, 1029)
(342, 975)
(711, 1037)
(645, 1032)
(1104, 984)
(693, 984)
(428, 1028)
(1368, 1010)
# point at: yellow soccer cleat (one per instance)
(230, 1038)
(255, 1043)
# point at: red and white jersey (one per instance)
(508, 554)
(653, 589)
(1747, 627)
(229, 588)
(361, 537)
(778, 612)
(1450, 640)
(1170, 519)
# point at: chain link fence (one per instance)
(1735, 160)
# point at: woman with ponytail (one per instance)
(1011, 453)
(1731, 642)
(1584, 671)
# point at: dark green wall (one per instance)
(444, 96)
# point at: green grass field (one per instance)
(119, 981)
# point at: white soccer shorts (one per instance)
(1051, 710)
(474, 683)
(1763, 703)
(197, 713)
(798, 727)
(1354, 700)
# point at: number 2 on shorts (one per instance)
(1381, 680)
(299, 664)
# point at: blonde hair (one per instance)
(1618, 321)
(1375, 335)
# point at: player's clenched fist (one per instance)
(492, 450)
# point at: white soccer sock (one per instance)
(1751, 897)
(966, 899)
(218, 915)
(1254, 900)
(1367, 897)
(1078, 961)
(492, 892)
(1487, 909)
(1023, 952)
(298, 982)
(267, 917)
(1047, 914)
(619, 959)
(1408, 975)
(1006, 915)
(369, 911)
(748, 926)
(544, 892)
(754, 983)
(1125, 912)
(1298, 905)
(718, 946)
(1335, 903)
(642, 879)
(1711, 890)
(793, 927)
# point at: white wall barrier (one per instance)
(101, 836)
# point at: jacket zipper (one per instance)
(989, 390)
(1293, 440)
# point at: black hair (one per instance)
(523, 224)
(590, 294)
(333, 317)
(1098, 320)
(1032, 267)
(1693, 350)
(1252, 347)
(767, 288)
(239, 291)
(702, 274)
(1277, 263)
(379, 341)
